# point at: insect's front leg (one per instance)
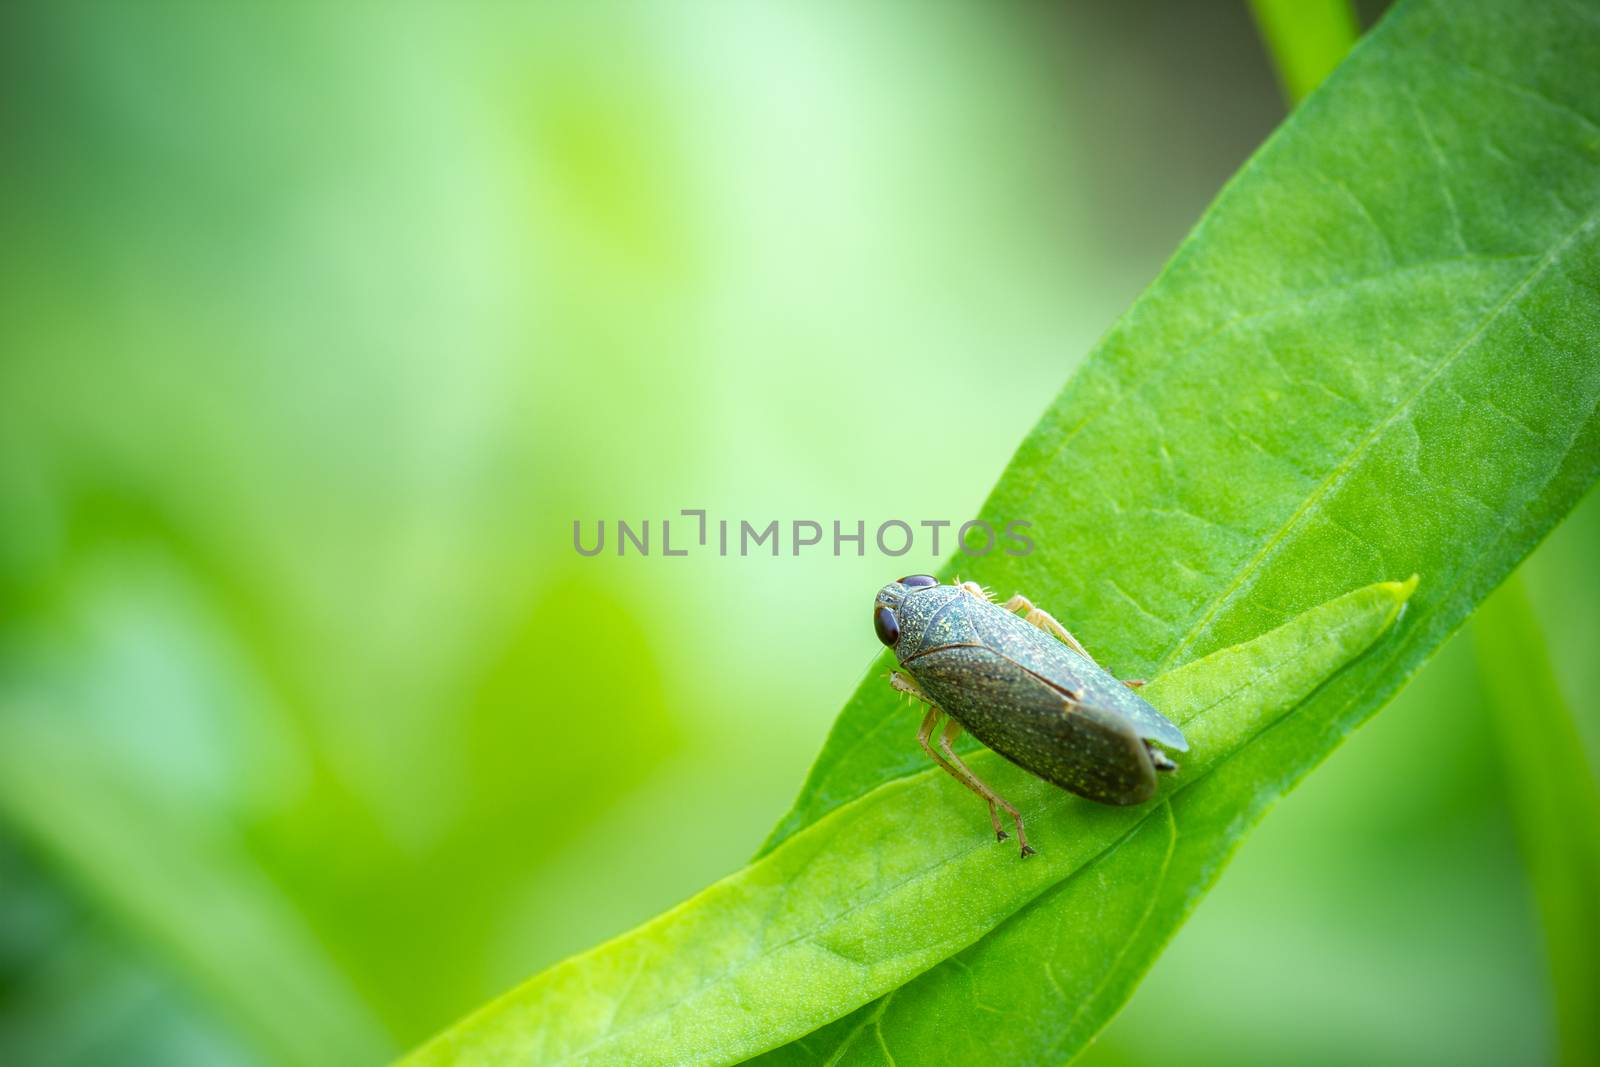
(965, 776)
(902, 684)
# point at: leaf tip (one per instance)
(1400, 594)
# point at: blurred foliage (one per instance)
(1306, 39)
(1555, 804)
(322, 325)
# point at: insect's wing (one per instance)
(1081, 748)
(1110, 695)
(1080, 680)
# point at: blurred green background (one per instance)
(322, 323)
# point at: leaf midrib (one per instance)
(1308, 509)
(1297, 301)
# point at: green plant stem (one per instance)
(1306, 39)
(1555, 803)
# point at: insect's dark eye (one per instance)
(918, 581)
(887, 625)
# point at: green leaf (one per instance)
(1372, 355)
(1375, 353)
(855, 906)
(1556, 805)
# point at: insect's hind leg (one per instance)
(968, 779)
(1159, 759)
(952, 730)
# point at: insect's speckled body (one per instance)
(1019, 686)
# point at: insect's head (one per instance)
(886, 608)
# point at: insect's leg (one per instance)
(963, 775)
(952, 730)
(1160, 760)
(1133, 683)
(974, 589)
(931, 720)
(1045, 621)
(911, 689)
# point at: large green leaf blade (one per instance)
(1374, 355)
(1377, 351)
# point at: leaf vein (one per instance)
(1337, 477)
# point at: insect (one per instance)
(1026, 688)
